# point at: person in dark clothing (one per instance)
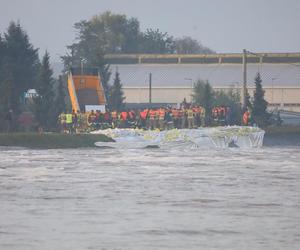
(9, 121)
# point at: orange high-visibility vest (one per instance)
(152, 114)
(190, 113)
(124, 116)
(246, 118)
(143, 114)
(114, 115)
(162, 113)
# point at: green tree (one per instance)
(4, 92)
(60, 95)
(116, 97)
(188, 45)
(230, 99)
(102, 34)
(157, 42)
(204, 96)
(259, 113)
(18, 66)
(44, 108)
(2, 52)
(248, 101)
(115, 33)
(20, 63)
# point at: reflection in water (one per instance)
(150, 199)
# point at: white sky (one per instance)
(222, 25)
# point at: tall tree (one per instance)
(204, 95)
(188, 45)
(116, 97)
(21, 63)
(230, 99)
(102, 34)
(44, 108)
(2, 51)
(248, 101)
(3, 92)
(59, 99)
(259, 113)
(157, 42)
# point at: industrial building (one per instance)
(173, 76)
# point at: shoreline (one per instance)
(274, 136)
(282, 136)
(51, 140)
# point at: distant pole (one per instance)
(272, 99)
(150, 88)
(192, 85)
(244, 87)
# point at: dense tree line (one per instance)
(204, 95)
(114, 33)
(21, 70)
(109, 33)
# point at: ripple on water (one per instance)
(150, 199)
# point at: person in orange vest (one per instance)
(203, 117)
(152, 119)
(169, 119)
(161, 118)
(190, 118)
(183, 115)
(175, 115)
(84, 122)
(215, 115)
(106, 120)
(157, 118)
(131, 119)
(92, 120)
(114, 119)
(99, 119)
(221, 116)
(197, 119)
(246, 118)
(124, 116)
(143, 118)
(227, 116)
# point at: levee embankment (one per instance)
(274, 136)
(50, 140)
(282, 136)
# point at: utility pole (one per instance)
(244, 87)
(150, 88)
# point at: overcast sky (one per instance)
(222, 25)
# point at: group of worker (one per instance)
(155, 118)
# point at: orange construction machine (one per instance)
(86, 90)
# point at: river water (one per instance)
(150, 199)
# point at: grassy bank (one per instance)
(48, 141)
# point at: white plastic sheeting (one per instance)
(218, 137)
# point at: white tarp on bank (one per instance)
(218, 137)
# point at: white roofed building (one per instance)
(172, 76)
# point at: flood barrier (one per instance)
(218, 137)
